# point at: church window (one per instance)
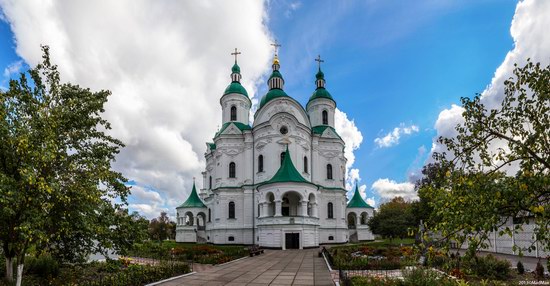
(283, 130)
(260, 163)
(233, 113)
(282, 157)
(305, 164)
(329, 172)
(231, 210)
(232, 170)
(325, 117)
(330, 210)
(210, 182)
(231, 238)
(331, 237)
(209, 215)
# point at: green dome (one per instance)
(236, 68)
(357, 201)
(276, 73)
(272, 94)
(320, 75)
(193, 201)
(235, 87)
(321, 92)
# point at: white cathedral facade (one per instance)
(279, 183)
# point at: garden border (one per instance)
(170, 279)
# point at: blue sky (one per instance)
(388, 64)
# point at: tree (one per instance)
(499, 164)
(57, 190)
(394, 219)
(161, 228)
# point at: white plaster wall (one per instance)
(238, 100)
(315, 110)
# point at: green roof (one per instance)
(235, 87)
(276, 73)
(319, 129)
(211, 146)
(357, 201)
(321, 92)
(239, 125)
(236, 68)
(193, 201)
(272, 94)
(320, 75)
(287, 172)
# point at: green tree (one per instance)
(394, 219)
(161, 228)
(57, 190)
(479, 193)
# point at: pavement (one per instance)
(274, 267)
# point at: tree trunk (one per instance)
(19, 274)
(9, 268)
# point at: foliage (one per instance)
(539, 271)
(477, 192)
(56, 184)
(488, 266)
(394, 219)
(162, 228)
(201, 253)
(520, 268)
(44, 266)
(371, 256)
(415, 277)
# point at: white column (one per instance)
(314, 210)
(278, 206)
(262, 209)
(304, 208)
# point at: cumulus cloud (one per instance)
(352, 137)
(392, 138)
(388, 189)
(166, 65)
(529, 32)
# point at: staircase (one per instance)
(201, 236)
(353, 235)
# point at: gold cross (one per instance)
(235, 54)
(276, 45)
(318, 59)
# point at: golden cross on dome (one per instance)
(319, 60)
(235, 54)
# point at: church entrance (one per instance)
(292, 240)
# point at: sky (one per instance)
(397, 70)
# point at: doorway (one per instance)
(292, 240)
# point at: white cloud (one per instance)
(352, 138)
(363, 191)
(392, 138)
(166, 64)
(529, 30)
(13, 68)
(388, 189)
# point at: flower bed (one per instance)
(371, 257)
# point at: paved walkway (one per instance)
(274, 267)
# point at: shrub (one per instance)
(44, 266)
(539, 271)
(425, 277)
(488, 267)
(520, 268)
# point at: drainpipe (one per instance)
(253, 193)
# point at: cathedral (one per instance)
(279, 183)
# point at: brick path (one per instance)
(274, 267)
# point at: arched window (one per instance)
(210, 182)
(260, 163)
(233, 113)
(209, 215)
(232, 170)
(305, 164)
(329, 172)
(231, 210)
(325, 117)
(282, 157)
(330, 210)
